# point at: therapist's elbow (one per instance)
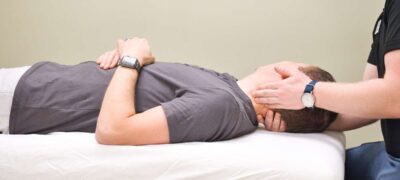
(393, 107)
(391, 94)
(393, 112)
(389, 109)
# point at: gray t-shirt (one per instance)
(200, 104)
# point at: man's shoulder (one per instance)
(221, 99)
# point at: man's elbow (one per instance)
(105, 137)
(111, 135)
(102, 138)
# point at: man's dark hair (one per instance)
(309, 120)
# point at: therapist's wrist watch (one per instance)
(308, 98)
(130, 62)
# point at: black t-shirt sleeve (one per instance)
(374, 54)
(392, 38)
(206, 116)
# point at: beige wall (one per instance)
(226, 35)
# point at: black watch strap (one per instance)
(310, 86)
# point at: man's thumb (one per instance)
(283, 72)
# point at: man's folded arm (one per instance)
(149, 127)
(118, 123)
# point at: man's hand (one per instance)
(108, 60)
(284, 94)
(135, 47)
(138, 48)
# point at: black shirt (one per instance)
(386, 37)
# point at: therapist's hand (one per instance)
(272, 121)
(283, 94)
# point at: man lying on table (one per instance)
(151, 103)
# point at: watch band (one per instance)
(310, 86)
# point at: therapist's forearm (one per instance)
(377, 98)
(346, 122)
(374, 99)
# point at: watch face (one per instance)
(129, 62)
(308, 100)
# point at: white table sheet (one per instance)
(260, 155)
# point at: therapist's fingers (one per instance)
(271, 85)
(266, 96)
(260, 119)
(285, 73)
(265, 93)
(274, 106)
(276, 122)
(273, 122)
(269, 117)
(267, 100)
(282, 127)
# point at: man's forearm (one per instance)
(118, 103)
(118, 122)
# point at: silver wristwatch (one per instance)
(130, 62)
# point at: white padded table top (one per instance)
(260, 155)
